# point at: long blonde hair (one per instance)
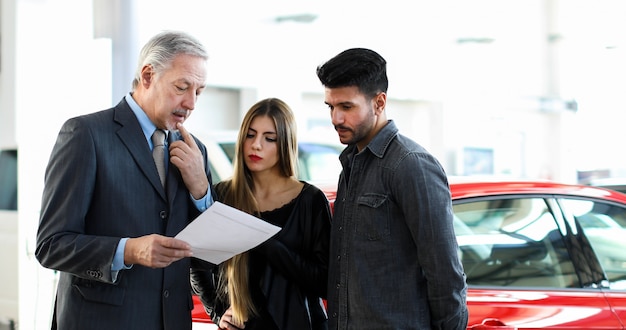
(238, 192)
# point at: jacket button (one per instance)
(163, 215)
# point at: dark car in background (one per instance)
(537, 254)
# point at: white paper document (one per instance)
(222, 231)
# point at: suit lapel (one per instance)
(132, 137)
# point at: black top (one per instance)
(264, 320)
(288, 272)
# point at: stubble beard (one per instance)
(360, 132)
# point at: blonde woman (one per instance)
(281, 283)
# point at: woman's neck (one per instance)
(273, 191)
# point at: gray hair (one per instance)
(161, 49)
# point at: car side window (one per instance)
(604, 226)
(513, 242)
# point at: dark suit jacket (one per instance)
(101, 184)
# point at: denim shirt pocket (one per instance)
(372, 216)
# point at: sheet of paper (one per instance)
(222, 231)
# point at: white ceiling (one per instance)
(418, 38)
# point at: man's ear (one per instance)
(147, 75)
(380, 102)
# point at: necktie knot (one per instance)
(158, 138)
(158, 153)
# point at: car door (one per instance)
(520, 270)
(604, 225)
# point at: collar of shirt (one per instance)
(381, 141)
(146, 125)
(378, 145)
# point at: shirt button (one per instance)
(338, 257)
(166, 293)
(338, 285)
(163, 215)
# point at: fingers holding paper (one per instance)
(155, 251)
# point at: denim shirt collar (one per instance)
(377, 147)
(381, 141)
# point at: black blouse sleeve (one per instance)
(203, 275)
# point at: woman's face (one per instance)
(260, 147)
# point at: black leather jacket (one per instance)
(291, 267)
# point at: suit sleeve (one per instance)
(69, 185)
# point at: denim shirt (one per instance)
(394, 261)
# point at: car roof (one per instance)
(467, 187)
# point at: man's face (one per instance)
(171, 94)
(352, 115)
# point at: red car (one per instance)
(538, 255)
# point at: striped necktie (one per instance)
(158, 153)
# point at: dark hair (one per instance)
(360, 67)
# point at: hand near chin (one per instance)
(188, 158)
